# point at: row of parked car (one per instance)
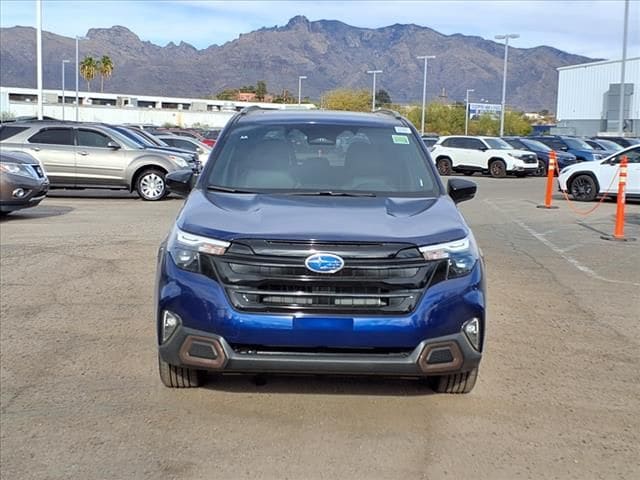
(519, 156)
(586, 168)
(92, 155)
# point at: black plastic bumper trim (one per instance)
(321, 363)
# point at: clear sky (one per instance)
(591, 28)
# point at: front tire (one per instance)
(444, 166)
(583, 188)
(454, 383)
(178, 377)
(498, 169)
(151, 185)
(542, 169)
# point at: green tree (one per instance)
(261, 90)
(88, 70)
(515, 123)
(439, 118)
(227, 94)
(105, 69)
(284, 97)
(383, 99)
(345, 99)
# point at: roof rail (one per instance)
(249, 109)
(386, 111)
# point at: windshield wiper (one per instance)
(330, 193)
(216, 188)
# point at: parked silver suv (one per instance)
(76, 155)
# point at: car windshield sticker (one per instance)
(401, 139)
(406, 130)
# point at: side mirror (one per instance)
(460, 190)
(564, 148)
(199, 150)
(181, 182)
(113, 145)
(483, 149)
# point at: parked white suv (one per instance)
(585, 181)
(482, 154)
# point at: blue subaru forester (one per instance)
(324, 243)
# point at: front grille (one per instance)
(530, 159)
(385, 280)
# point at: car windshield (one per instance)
(516, 143)
(609, 145)
(139, 141)
(322, 159)
(497, 143)
(577, 144)
(535, 145)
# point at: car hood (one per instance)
(592, 166)
(228, 216)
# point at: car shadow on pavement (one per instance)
(38, 212)
(318, 384)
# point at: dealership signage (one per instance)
(478, 109)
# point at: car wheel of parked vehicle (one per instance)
(444, 166)
(541, 171)
(583, 188)
(151, 185)
(178, 377)
(454, 383)
(498, 169)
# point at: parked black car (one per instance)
(622, 141)
(23, 183)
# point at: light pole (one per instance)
(63, 62)
(78, 76)
(506, 38)
(622, 67)
(466, 111)
(300, 78)
(373, 101)
(39, 56)
(424, 86)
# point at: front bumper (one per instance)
(201, 350)
(35, 191)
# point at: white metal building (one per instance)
(126, 108)
(589, 98)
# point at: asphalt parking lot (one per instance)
(557, 397)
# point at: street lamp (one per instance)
(300, 78)
(506, 38)
(373, 102)
(622, 68)
(39, 56)
(63, 62)
(78, 76)
(424, 86)
(466, 111)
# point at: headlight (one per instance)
(18, 169)
(185, 249)
(462, 255)
(181, 162)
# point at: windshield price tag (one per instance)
(400, 139)
(406, 130)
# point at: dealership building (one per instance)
(589, 98)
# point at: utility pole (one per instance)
(622, 67)
(373, 101)
(506, 38)
(424, 87)
(466, 111)
(39, 56)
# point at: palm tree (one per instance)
(105, 69)
(88, 70)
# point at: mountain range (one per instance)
(330, 53)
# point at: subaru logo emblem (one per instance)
(324, 263)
